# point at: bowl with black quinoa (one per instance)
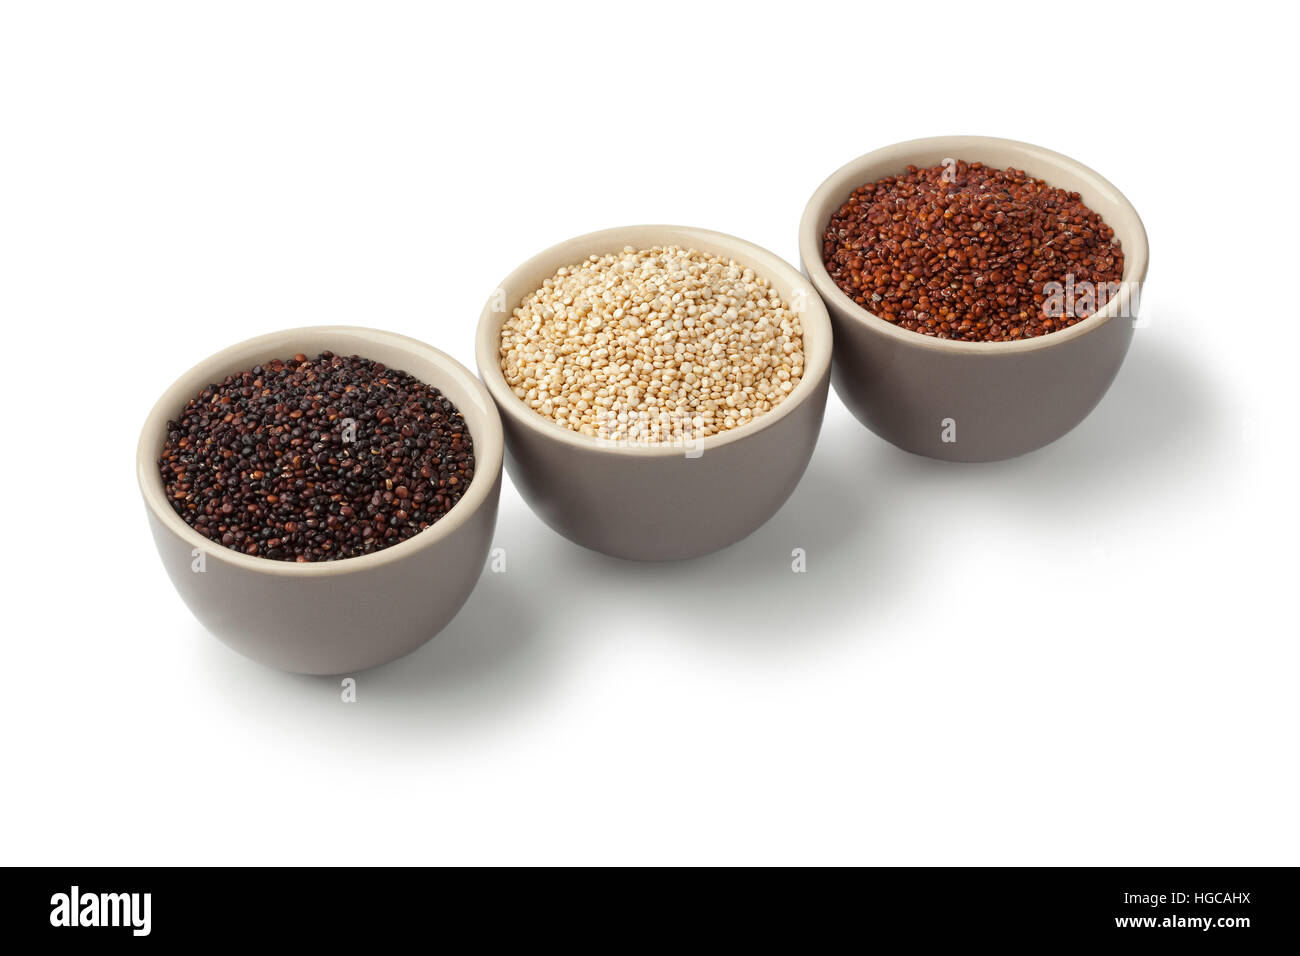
(983, 291)
(323, 498)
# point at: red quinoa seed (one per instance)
(965, 251)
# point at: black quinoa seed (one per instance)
(316, 459)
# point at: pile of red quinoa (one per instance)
(964, 251)
(316, 459)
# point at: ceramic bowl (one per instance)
(974, 401)
(331, 617)
(659, 502)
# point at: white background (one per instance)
(1086, 655)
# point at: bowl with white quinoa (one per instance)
(661, 387)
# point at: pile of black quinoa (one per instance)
(316, 459)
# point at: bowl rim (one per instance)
(489, 449)
(814, 318)
(850, 175)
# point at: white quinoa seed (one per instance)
(657, 345)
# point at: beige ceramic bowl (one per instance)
(331, 617)
(997, 399)
(660, 502)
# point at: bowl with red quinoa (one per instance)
(661, 387)
(323, 498)
(983, 291)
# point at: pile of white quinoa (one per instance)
(657, 345)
